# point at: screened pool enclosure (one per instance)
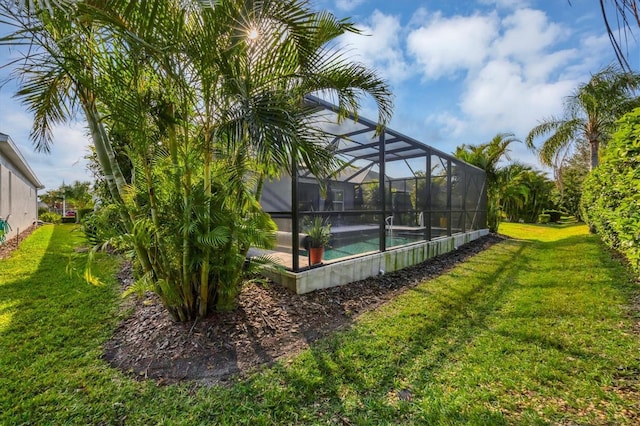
(389, 192)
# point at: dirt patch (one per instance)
(271, 323)
(13, 243)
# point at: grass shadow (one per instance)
(57, 324)
(370, 371)
(389, 366)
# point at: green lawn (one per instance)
(535, 330)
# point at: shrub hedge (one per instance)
(50, 217)
(611, 193)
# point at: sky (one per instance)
(461, 71)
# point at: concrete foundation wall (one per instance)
(347, 271)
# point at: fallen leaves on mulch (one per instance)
(270, 323)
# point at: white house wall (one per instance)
(18, 197)
(18, 200)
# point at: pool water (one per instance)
(359, 247)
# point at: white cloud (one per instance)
(446, 46)
(500, 98)
(450, 124)
(64, 162)
(502, 70)
(596, 44)
(348, 5)
(419, 17)
(596, 48)
(13, 121)
(511, 69)
(545, 67)
(380, 46)
(527, 34)
(525, 77)
(506, 4)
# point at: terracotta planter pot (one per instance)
(315, 255)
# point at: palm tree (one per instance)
(526, 192)
(569, 179)
(590, 114)
(209, 99)
(487, 157)
(514, 190)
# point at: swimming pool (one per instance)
(373, 244)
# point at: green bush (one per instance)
(82, 213)
(50, 217)
(544, 218)
(610, 201)
(102, 226)
(42, 210)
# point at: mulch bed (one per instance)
(270, 324)
(13, 243)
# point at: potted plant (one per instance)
(318, 233)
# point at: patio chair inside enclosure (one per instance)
(391, 196)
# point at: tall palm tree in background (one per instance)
(208, 101)
(590, 114)
(487, 156)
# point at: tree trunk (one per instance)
(595, 148)
(112, 172)
(106, 157)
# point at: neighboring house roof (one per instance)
(10, 151)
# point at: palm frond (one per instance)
(546, 126)
(218, 237)
(565, 134)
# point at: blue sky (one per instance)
(461, 71)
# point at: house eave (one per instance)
(10, 151)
